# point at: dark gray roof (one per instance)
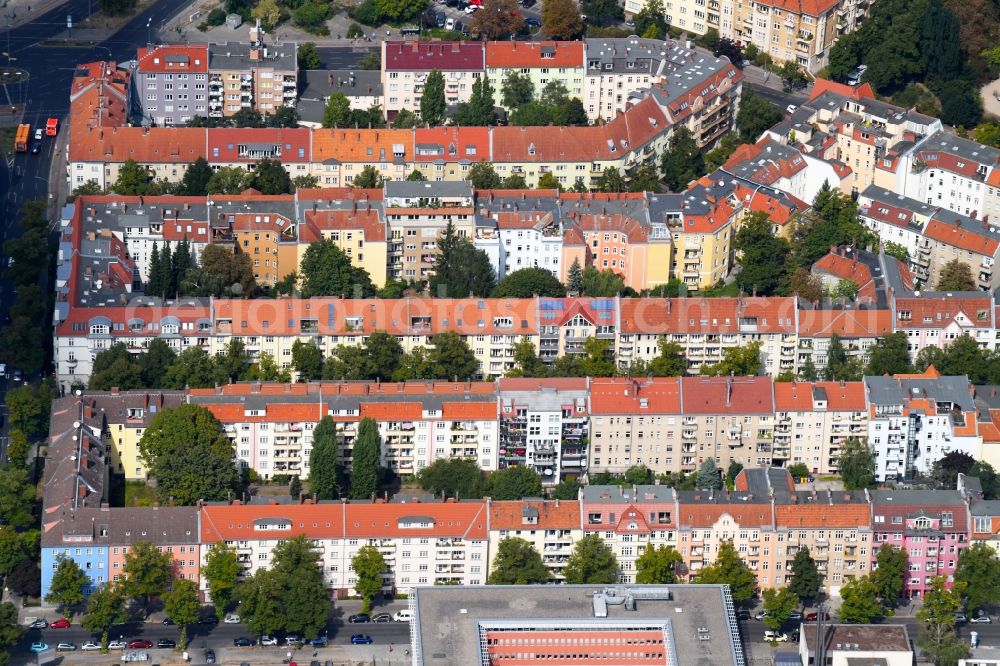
(893, 391)
(160, 525)
(947, 142)
(236, 55)
(866, 637)
(317, 85)
(697, 620)
(428, 189)
(627, 495)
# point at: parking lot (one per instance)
(460, 13)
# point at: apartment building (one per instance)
(814, 419)
(914, 420)
(930, 526)
(846, 644)
(169, 86)
(99, 539)
(629, 519)
(550, 526)
(406, 65)
(127, 415)
(423, 543)
(271, 425)
(258, 76)
(542, 63)
(544, 424)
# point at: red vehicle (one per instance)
(61, 623)
(811, 617)
(139, 644)
(52, 127)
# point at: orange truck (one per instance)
(22, 138)
(52, 127)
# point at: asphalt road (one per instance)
(779, 98)
(343, 57)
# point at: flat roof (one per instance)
(696, 619)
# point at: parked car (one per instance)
(527, 4)
(790, 109)
(813, 616)
(361, 639)
(532, 23)
(209, 656)
(40, 623)
(242, 641)
(117, 645)
(66, 646)
(268, 640)
(61, 623)
(404, 615)
(167, 621)
(743, 615)
(449, 23)
(140, 644)
(36, 147)
(382, 617)
(980, 619)
(359, 618)
(960, 618)
(293, 640)
(231, 618)
(90, 645)
(471, 9)
(760, 615)
(319, 641)
(440, 19)
(39, 134)
(795, 616)
(775, 636)
(208, 619)
(165, 643)
(39, 647)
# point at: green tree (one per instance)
(708, 476)
(460, 269)
(956, 276)
(452, 477)
(181, 605)
(416, 176)
(528, 282)
(732, 472)
(497, 19)
(804, 579)
(859, 601)
(115, 367)
(272, 178)
(518, 563)
(514, 483)
(247, 117)
(325, 471)
(718, 156)
(683, 161)
(741, 361)
(517, 90)
(779, 604)
(611, 180)
(671, 362)
(889, 355)
(326, 270)
(302, 605)
(368, 566)
(644, 179)
(937, 638)
(548, 181)
(479, 110)
(574, 278)
(222, 273)
(567, 489)
(261, 602)
(856, 465)
(730, 569)
(369, 178)
(192, 368)
(188, 455)
(295, 488)
(16, 546)
(147, 570)
(133, 179)
(337, 112)
(798, 471)
(561, 19)
(945, 470)
(10, 629)
(599, 358)
(657, 566)
(221, 571)
(66, 588)
(25, 579)
(602, 12)
(526, 360)
(309, 56)
(483, 176)
(889, 573)
(604, 283)
(105, 609)
(307, 359)
(979, 572)
(17, 497)
(229, 180)
(652, 15)
(406, 119)
(365, 460)
(196, 177)
(756, 115)
(764, 256)
(591, 563)
(982, 470)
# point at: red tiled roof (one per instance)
(368, 221)
(513, 53)
(758, 314)
(717, 395)
(823, 515)
(423, 56)
(173, 58)
(660, 395)
(961, 237)
(552, 515)
(846, 268)
(224, 143)
(821, 86)
(177, 145)
(798, 396)
(453, 144)
(703, 514)
(937, 311)
(845, 323)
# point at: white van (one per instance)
(404, 615)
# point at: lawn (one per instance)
(137, 493)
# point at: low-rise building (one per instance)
(850, 644)
(532, 624)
